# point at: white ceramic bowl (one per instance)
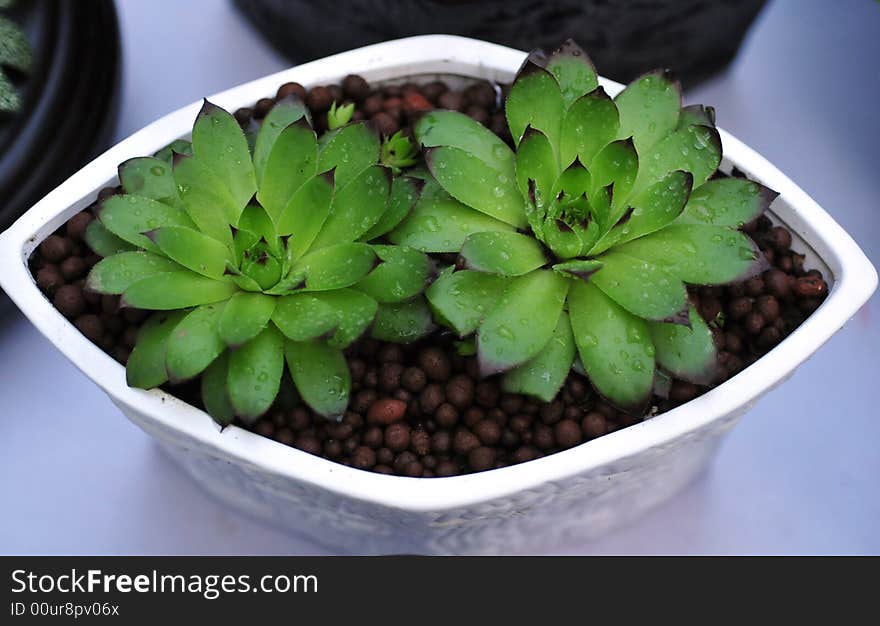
(574, 494)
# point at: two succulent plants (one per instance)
(272, 244)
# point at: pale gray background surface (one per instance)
(798, 475)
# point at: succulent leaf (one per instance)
(590, 124)
(649, 109)
(616, 164)
(146, 365)
(356, 207)
(727, 202)
(207, 202)
(305, 316)
(402, 274)
(178, 146)
(582, 269)
(614, 346)
(194, 343)
(305, 214)
(285, 112)
(149, 177)
(128, 217)
(403, 322)
(544, 375)
(476, 184)
(455, 130)
(244, 317)
(699, 255)
(354, 311)
(292, 161)
(255, 373)
(103, 242)
(522, 322)
(641, 287)
(214, 393)
(535, 100)
(350, 149)
(335, 267)
(405, 192)
(176, 290)
(573, 70)
(219, 144)
(339, 116)
(439, 223)
(654, 208)
(461, 299)
(686, 353)
(694, 149)
(696, 114)
(117, 272)
(321, 375)
(535, 161)
(191, 249)
(506, 254)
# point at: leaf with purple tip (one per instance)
(695, 149)
(536, 161)
(285, 112)
(649, 109)
(214, 394)
(590, 124)
(350, 149)
(305, 214)
(727, 202)
(617, 164)
(535, 100)
(581, 269)
(573, 70)
(356, 207)
(292, 162)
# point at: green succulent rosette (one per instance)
(578, 244)
(258, 249)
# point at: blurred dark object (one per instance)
(69, 100)
(625, 38)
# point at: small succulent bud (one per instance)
(398, 152)
(337, 117)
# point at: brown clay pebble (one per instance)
(739, 308)
(593, 425)
(291, 89)
(69, 301)
(76, 226)
(451, 100)
(681, 391)
(435, 363)
(413, 379)
(385, 123)
(308, 443)
(383, 469)
(397, 437)
(441, 442)
(91, 326)
(487, 393)
(552, 412)
(810, 287)
(446, 415)
(372, 105)
(386, 411)
(431, 398)
(355, 87)
(488, 432)
(49, 279)
(753, 323)
(73, 267)
(780, 238)
(754, 286)
(460, 391)
(420, 442)
(778, 283)
(363, 458)
(319, 99)
(768, 307)
(55, 249)
(464, 441)
(263, 106)
(481, 459)
(389, 376)
(372, 437)
(567, 433)
(481, 94)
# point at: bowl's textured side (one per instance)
(556, 512)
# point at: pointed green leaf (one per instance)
(354, 312)
(207, 202)
(292, 162)
(544, 375)
(219, 143)
(639, 286)
(350, 149)
(356, 207)
(149, 177)
(588, 126)
(254, 219)
(129, 217)
(700, 255)
(727, 202)
(573, 70)
(535, 100)
(321, 375)
(653, 209)
(192, 249)
(695, 149)
(116, 273)
(564, 241)
(441, 224)
(616, 164)
(305, 214)
(194, 343)
(471, 181)
(244, 317)
(305, 316)
(686, 353)
(614, 346)
(696, 114)
(104, 243)
(536, 161)
(285, 112)
(461, 299)
(506, 254)
(255, 373)
(146, 365)
(335, 267)
(405, 192)
(450, 129)
(176, 290)
(214, 393)
(522, 322)
(649, 109)
(180, 146)
(402, 322)
(582, 269)
(402, 274)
